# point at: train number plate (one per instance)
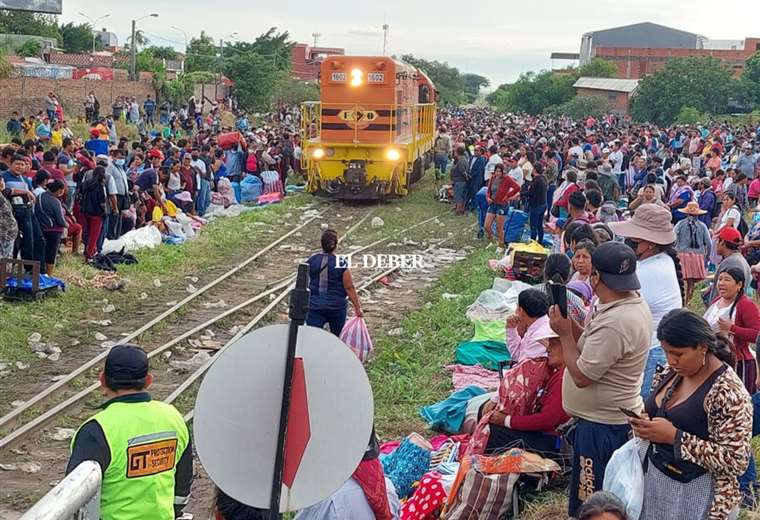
(338, 76)
(376, 77)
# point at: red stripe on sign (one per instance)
(299, 425)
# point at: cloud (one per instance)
(367, 31)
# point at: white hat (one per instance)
(606, 150)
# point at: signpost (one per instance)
(284, 416)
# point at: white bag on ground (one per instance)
(624, 477)
(356, 336)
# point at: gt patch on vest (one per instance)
(151, 458)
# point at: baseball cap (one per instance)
(126, 364)
(616, 265)
(730, 234)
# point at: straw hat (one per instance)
(692, 208)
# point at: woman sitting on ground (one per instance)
(735, 314)
(526, 324)
(535, 431)
(700, 427)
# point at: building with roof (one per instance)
(636, 36)
(617, 92)
(306, 60)
(107, 39)
(641, 49)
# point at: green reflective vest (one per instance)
(146, 441)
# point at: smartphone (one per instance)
(558, 294)
(630, 413)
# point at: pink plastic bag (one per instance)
(356, 336)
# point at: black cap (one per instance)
(126, 364)
(616, 264)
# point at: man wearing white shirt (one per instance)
(616, 160)
(516, 172)
(493, 160)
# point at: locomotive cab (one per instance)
(368, 135)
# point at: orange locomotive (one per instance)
(371, 135)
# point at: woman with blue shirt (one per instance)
(331, 285)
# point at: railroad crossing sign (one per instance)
(238, 409)
(358, 118)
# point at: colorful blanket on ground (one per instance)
(463, 376)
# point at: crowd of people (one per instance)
(81, 190)
(654, 233)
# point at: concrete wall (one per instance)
(27, 95)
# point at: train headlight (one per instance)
(392, 154)
(318, 153)
(357, 77)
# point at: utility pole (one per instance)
(133, 52)
(316, 37)
(385, 39)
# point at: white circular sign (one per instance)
(237, 415)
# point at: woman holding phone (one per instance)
(698, 425)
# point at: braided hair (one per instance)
(738, 275)
(671, 252)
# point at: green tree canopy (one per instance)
(23, 22)
(293, 91)
(472, 85)
(163, 53)
(78, 38)
(30, 49)
(447, 79)
(255, 79)
(703, 83)
(752, 69)
(598, 68)
(534, 92)
(580, 107)
(202, 54)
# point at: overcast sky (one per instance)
(496, 38)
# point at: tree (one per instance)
(140, 40)
(752, 69)
(255, 79)
(202, 54)
(580, 107)
(534, 92)
(162, 53)
(691, 116)
(24, 22)
(293, 91)
(6, 69)
(703, 83)
(78, 38)
(472, 85)
(30, 49)
(598, 68)
(447, 80)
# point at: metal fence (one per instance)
(76, 497)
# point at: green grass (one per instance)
(407, 372)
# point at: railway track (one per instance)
(176, 383)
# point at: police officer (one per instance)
(142, 445)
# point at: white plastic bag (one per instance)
(356, 336)
(624, 477)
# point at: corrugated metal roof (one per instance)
(564, 56)
(613, 84)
